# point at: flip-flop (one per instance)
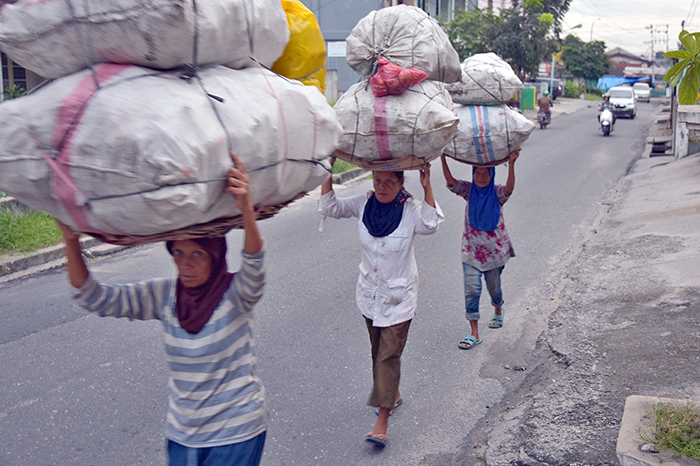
(378, 442)
(398, 403)
(469, 340)
(496, 321)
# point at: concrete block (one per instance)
(637, 418)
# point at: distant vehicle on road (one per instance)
(557, 90)
(623, 100)
(642, 91)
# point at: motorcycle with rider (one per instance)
(544, 115)
(606, 115)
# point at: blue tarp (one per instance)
(606, 82)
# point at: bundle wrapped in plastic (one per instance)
(304, 58)
(486, 78)
(406, 36)
(393, 80)
(59, 37)
(486, 135)
(395, 132)
(145, 155)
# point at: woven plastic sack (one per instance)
(304, 58)
(393, 80)
(59, 37)
(486, 78)
(148, 152)
(419, 122)
(486, 135)
(406, 36)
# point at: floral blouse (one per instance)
(484, 250)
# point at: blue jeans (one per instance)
(472, 288)
(246, 453)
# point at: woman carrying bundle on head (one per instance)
(485, 244)
(389, 218)
(217, 409)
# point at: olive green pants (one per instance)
(387, 345)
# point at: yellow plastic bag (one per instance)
(304, 58)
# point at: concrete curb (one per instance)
(50, 257)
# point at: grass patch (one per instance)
(677, 429)
(25, 231)
(341, 166)
(593, 97)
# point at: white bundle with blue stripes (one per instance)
(486, 135)
(59, 37)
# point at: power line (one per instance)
(602, 13)
(692, 4)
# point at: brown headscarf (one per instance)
(195, 306)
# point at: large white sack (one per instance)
(59, 37)
(406, 36)
(486, 78)
(486, 135)
(147, 153)
(418, 122)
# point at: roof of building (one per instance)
(622, 55)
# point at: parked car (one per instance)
(642, 91)
(623, 100)
(558, 88)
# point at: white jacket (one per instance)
(387, 288)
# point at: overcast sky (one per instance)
(624, 23)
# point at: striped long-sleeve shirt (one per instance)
(215, 397)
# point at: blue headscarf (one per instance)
(382, 219)
(483, 208)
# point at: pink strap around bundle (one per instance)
(393, 80)
(68, 121)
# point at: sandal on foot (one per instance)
(469, 342)
(398, 403)
(379, 440)
(496, 321)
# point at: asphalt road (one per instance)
(80, 390)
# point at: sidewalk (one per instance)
(626, 322)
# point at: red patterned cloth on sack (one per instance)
(393, 80)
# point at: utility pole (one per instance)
(2, 80)
(653, 56)
(591, 40)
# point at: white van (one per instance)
(623, 100)
(642, 91)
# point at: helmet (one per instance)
(546, 93)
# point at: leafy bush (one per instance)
(14, 92)
(571, 90)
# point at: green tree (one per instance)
(467, 31)
(586, 60)
(689, 62)
(523, 35)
